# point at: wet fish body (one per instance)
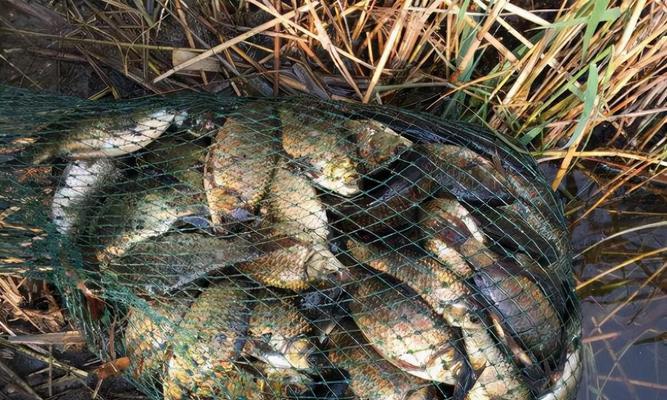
(294, 266)
(296, 223)
(377, 144)
(466, 175)
(278, 334)
(323, 149)
(541, 229)
(109, 136)
(426, 129)
(565, 388)
(208, 340)
(148, 333)
(370, 376)
(184, 160)
(404, 330)
(450, 298)
(446, 293)
(393, 204)
(448, 225)
(498, 378)
(240, 164)
(172, 262)
(75, 196)
(142, 213)
(524, 309)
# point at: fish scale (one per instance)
(246, 195)
(239, 165)
(403, 329)
(209, 338)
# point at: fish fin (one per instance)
(465, 382)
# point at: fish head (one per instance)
(338, 174)
(280, 352)
(298, 350)
(322, 265)
(376, 142)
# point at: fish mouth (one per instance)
(321, 262)
(338, 186)
(293, 353)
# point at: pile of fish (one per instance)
(306, 249)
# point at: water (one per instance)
(624, 312)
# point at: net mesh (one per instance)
(236, 248)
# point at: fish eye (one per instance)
(220, 338)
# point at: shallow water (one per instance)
(624, 312)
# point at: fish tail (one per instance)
(466, 381)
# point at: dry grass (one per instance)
(582, 83)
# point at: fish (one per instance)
(370, 376)
(527, 228)
(184, 160)
(537, 193)
(392, 204)
(281, 383)
(565, 381)
(524, 309)
(79, 188)
(296, 266)
(541, 229)
(447, 226)
(148, 333)
(147, 209)
(565, 388)
(498, 377)
(440, 288)
(240, 165)
(377, 144)
(294, 208)
(171, 262)
(323, 148)
(108, 136)
(278, 336)
(423, 128)
(468, 176)
(208, 340)
(455, 302)
(296, 221)
(402, 328)
(278, 333)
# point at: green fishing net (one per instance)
(294, 248)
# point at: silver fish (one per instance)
(565, 388)
(109, 136)
(74, 197)
(499, 377)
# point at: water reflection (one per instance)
(625, 311)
